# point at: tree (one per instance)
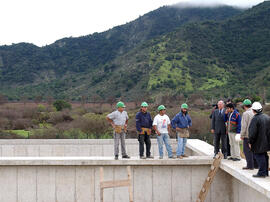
(61, 104)
(3, 99)
(38, 99)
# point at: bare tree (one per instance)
(83, 100)
(3, 99)
(50, 100)
(38, 99)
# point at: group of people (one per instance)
(253, 128)
(161, 125)
(228, 127)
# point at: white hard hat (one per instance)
(256, 106)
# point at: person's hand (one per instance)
(242, 138)
(113, 125)
(125, 127)
(158, 133)
(212, 131)
(249, 146)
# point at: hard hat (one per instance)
(247, 102)
(144, 104)
(120, 104)
(184, 106)
(161, 107)
(256, 106)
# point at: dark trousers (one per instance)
(248, 154)
(262, 160)
(144, 139)
(228, 146)
(223, 138)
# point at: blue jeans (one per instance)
(181, 141)
(164, 137)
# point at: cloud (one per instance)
(215, 3)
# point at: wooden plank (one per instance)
(116, 183)
(101, 180)
(210, 177)
(130, 188)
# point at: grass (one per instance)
(22, 133)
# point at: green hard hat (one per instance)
(144, 104)
(184, 106)
(247, 102)
(120, 104)
(161, 107)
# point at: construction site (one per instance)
(85, 170)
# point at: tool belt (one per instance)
(145, 131)
(118, 129)
(183, 132)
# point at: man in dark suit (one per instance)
(219, 129)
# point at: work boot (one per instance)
(149, 157)
(142, 157)
(171, 157)
(247, 168)
(116, 157)
(262, 176)
(126, 157)
(236, 159)
(180, 157)
(184, 156)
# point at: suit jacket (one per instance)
(218, 122)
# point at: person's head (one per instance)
(230, 107)
(144, 107)
(229, 101)
(120, 106)
(184, 108)
(256, 107)
(162, 109)
(247, 104)
(220, 104)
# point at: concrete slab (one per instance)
(103, 161)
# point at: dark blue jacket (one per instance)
(181, 121)
(143, 120)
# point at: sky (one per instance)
(42, 22)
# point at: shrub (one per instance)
(61, 104)
(21, 124)
(58, 117)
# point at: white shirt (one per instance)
(162, 123)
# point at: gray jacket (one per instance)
(218, 123)
(246, 119)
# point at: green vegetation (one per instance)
(97, 64)
(213, 52)
(61, 104)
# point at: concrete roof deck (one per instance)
(234, 168)
(103, 161)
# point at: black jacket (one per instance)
(218, 123)
(258, 133)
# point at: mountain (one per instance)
(122, 61)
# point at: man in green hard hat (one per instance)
(245, 122)
(181, 123)
(162, 126)
(144, 126)
(119, 120)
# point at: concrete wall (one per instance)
(71, 173)
(69, 183)
(69, 147)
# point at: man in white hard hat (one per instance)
(259, 139)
